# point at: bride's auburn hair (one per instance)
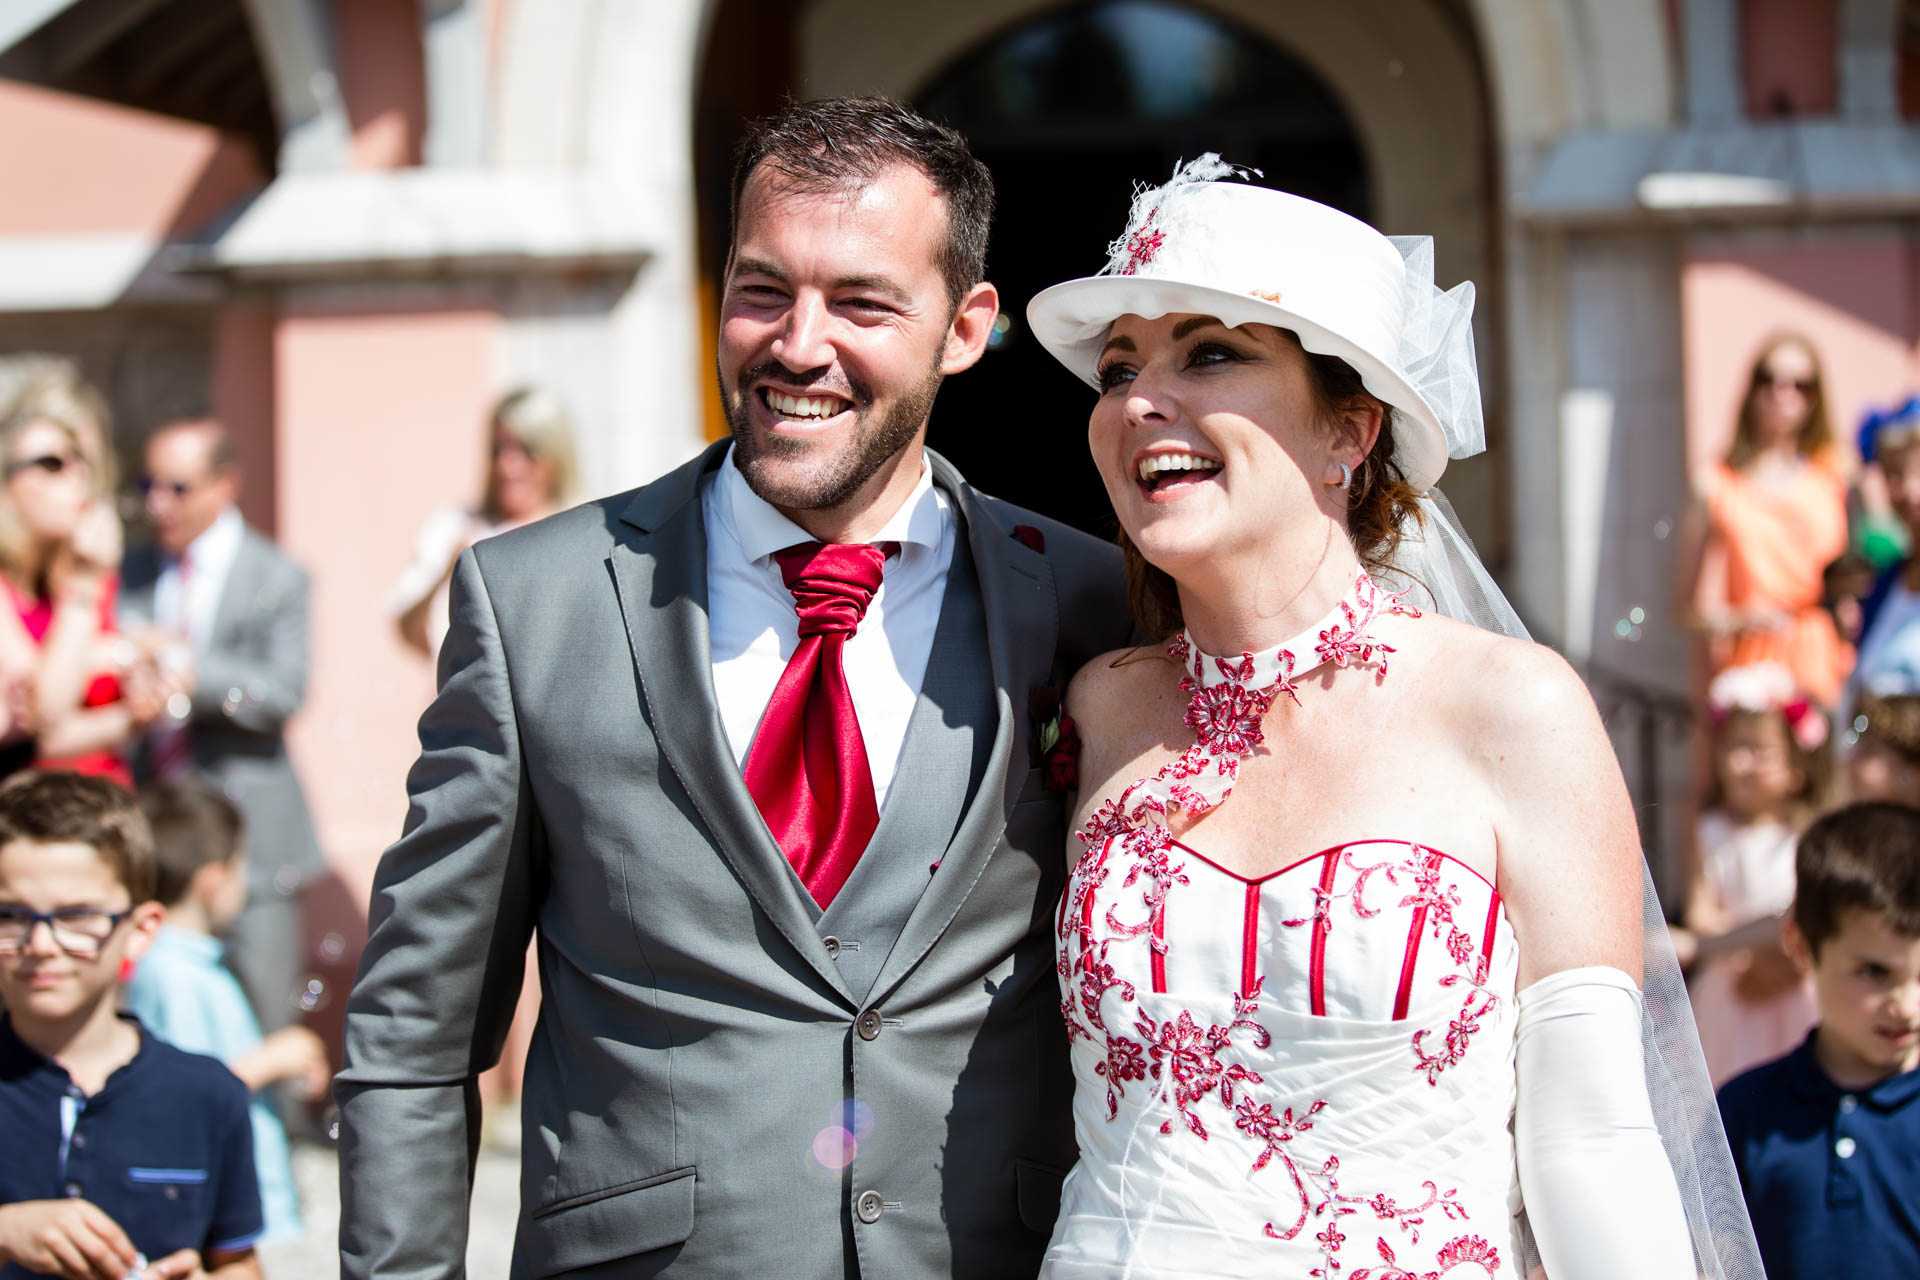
(1381, 505)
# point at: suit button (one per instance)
(868, 1025)
(868, 1206)
(832, 944)
(73, 1190)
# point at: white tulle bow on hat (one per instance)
(1245, 254)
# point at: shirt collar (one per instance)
(217, 542)
(19, 1061)
(1812, 1084)
(761, 530)
(200, 946)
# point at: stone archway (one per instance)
(1407, 74)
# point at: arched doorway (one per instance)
(1069, 109)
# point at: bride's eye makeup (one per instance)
(1113, 374)
(1210, 353)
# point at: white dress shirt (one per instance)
(188, 607)
(754, 629)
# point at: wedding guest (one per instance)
(1884, 761)
(1824, 1138)
(1749, 1001)
(1765, 523)
(59, 551)
(224, 612)
(183, 992)
(529, 475)
(1890, 627)
(124, 1156)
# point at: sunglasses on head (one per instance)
(51, 463)
(1767, 378)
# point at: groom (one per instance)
(750, 750)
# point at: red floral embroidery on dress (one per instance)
(1193, 1062)
(1187, 1058)
(1458, 1252)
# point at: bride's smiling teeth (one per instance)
(1159, 465)
(812, 408)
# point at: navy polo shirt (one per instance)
(165, 1148)
(1831, 1176)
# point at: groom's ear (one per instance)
(971, 327)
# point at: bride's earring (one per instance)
(1344, 479)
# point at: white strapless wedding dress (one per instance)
(1306, 1075)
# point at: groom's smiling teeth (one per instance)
(803, 408)
(1170, 466)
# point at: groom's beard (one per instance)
(774, 466)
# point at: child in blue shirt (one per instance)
(1827, 1138)
(123, 1156)
(185, 994)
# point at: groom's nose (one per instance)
(803, 343)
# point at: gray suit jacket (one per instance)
(251, 676)
(698, 1030)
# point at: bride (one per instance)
(1352, 963)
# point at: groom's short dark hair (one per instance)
(837, 144)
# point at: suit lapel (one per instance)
(237, 594)
(660, 573)
(1018, 597)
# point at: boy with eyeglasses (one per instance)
(123, 1156)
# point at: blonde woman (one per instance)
(60, 544)
(530, 474)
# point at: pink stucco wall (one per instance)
(76, 165)
(378, 421)
(1789, 64)
(1854, 297)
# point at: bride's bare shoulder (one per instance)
(1125, 690)
(1506, 689)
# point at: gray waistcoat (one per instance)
(946, 748)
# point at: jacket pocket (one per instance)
(1037, 1187)
(617, 1222)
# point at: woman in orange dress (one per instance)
(1767, 521)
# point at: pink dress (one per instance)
(1749, 869)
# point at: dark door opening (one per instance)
(1070, 110)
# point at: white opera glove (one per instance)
(1599, 1192)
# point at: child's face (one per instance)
(43, 980)
(1867, 982)
(1876, 771)
(1900, 462)
(1757, 773)
(228, 896)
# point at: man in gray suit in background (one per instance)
(751, 750)
(224, 612)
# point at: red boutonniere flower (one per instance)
(1056, 742)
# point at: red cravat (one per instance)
(807, 769)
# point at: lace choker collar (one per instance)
(1343, 637)
(1229, 699)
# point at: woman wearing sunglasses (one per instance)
(1766, 522)
(60, 548)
